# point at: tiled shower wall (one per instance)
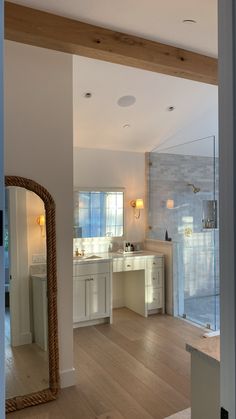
(196, 249)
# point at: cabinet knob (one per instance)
(128, 266)
(154, 263)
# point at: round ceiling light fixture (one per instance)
(87, 95)
(126, 126)
(189, 21)
(125, 101)
(171, 108)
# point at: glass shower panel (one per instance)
(183, 206)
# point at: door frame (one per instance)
(227, 103)
(227, 188)
(2, 197)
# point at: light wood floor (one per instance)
(135, 369)
(26, 366)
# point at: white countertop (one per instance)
(114, 255)
(208, 348)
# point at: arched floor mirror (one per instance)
(31, 337)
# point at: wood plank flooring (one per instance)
(137, 368)
(26, 367)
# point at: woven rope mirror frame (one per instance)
(50, 393)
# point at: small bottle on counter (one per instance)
(126, 247)
(129, 247)
(132, 247)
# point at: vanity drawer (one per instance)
(155, 277)
(154, 262)
(128, 264)
(155, 298)
(90, 268)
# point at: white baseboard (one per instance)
(67, 378)
(91, 322)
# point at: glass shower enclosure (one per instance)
(183, 206)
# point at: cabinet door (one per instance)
(80, 299)
(99, 302)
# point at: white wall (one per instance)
(36, 236)
(203, 127)
(105, 168)
(39, 145)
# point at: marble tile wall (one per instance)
(196, 259)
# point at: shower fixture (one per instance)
(195, 188)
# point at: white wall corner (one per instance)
(67, 378)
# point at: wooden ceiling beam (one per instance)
(46, 30)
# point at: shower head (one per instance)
(194, 188)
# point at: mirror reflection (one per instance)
(26, 320)
(98, 213)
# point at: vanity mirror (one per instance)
(98, 213)
(31, 336)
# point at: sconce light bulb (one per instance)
(170, 203)
(41, 222)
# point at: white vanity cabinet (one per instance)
(40, 310)
(155, 295)
(80, 299)
(91, 292)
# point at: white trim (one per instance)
(2, 272)
(67, 378)
(86, 323)
(227, 176)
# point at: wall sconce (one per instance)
(137, 204)
(170, 203)
(41, 222)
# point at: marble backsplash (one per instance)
(100, 244)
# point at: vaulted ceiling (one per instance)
(159, 20)
(99, 121)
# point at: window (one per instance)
(98, 213)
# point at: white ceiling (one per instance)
(98, 122)
(159, 20)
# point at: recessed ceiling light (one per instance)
(126, 126)
(87, 95)
(171, 108)
(189, 21)
(125, 101)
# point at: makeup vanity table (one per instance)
(93, 277)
